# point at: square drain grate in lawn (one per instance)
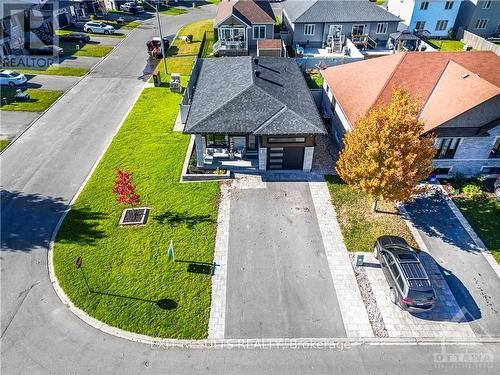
(134, 216)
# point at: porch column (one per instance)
(262, 158)
(308, 159)
(199, 146)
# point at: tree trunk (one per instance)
(374, 205)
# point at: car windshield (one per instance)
(421, 295)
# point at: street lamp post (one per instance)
(164, 50)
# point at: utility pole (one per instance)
(164, 50)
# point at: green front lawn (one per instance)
(484, 216)
(197, 30)
(87, 49)
(56, 71)
(182, 65)
(208, 47)
(127, 268)
(447, 44)
(172, 11)
(360, 226)
(4, 143)
(39, 102)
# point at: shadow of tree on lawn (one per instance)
(178, 218)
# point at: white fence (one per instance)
(479, 43)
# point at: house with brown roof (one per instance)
(458, 94)
(240, 24)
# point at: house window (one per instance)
(309, 29)
(446, 148)
(441, 171)
(419, 26)
(481, 24)
(441, 25)
(217, 140)
(381, 28)
(490, 170)
(495, 151)
(286, 140)
(448, 5)
(487, 4)
(424, 5)
(259, 32)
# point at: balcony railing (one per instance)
(230, 45)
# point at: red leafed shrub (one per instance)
(125, 189)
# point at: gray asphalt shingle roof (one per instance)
(230, 99)
(336, 11)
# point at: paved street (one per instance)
(472, 280)
(278, 283)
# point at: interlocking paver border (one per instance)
(217, 319)
(351, 305)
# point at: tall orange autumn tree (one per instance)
(386, 155)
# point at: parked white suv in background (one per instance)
(95, 27)
(11, 78)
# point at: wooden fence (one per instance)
(479, 43)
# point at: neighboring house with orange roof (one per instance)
(458, 94)
(240, 24)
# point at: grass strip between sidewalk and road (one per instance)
(484, 217)
(39, 101)
(127, 267)
(56, 71)
(361, 226)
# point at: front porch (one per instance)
(229, 152)
(232, 41)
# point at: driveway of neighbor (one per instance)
(445, 320)
(49, 82)
(14, 122)
(472, 280)
(278, 282)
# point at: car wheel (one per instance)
(393, 296)
(106, 32)
(11, 84)
(497, 191)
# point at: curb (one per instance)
(66, 92)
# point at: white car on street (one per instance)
(94, 27)
(11, 78)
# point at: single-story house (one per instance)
(239, 24)
(259, 109)
(458, 93)
(321, 23)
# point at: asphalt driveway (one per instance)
(278, 282)
(472, 280)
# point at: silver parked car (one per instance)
(12, 78)
(95, 27)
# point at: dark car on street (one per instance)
(409, 286)
(75, 38)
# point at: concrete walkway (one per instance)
(472, 280)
